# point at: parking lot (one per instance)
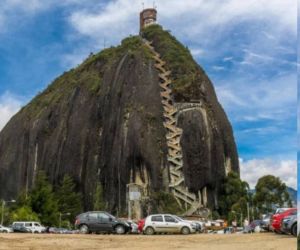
(265, 241)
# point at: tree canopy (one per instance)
(270, 193)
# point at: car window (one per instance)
(93, 216)
(158, 218)
(28, 224)
(103, 217)
(169, 219)
(37, 224)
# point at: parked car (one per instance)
(5, 229)
(254, 226)
(55, 230)
(28, 227)
(166, 223)
(281, 210)
(98, 221)
(266, 222)
(141, 224)
(198, 225)
(289, 225)
(277, 219)
(133, 227)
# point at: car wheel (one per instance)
(149, 231)
(35, 232)
(5, 231)
(120, 229)
(84, 229)
(294, 230)
(185, 230)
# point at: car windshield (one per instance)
(111, 216)
(178, 218)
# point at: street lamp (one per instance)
(60, 215)
(3, 205)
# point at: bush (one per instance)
(162, 202)
(23, 213)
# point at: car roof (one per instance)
(26, 222)
(95, 212)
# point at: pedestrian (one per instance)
(246, 226)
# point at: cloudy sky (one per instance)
(248, 48)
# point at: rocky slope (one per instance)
(103, 121)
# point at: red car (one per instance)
(141, 224)
(277, 219)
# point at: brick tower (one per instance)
(147, 17)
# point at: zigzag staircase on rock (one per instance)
(177, 183)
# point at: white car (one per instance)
(199, 224)
(134, 227)
(167, 223)
(31, 226)
(5, 229)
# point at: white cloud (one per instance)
(9, 105)
(226, 59)
(255, 99)
(16, 10)
(218, 68)
(197, 52)
(190, 17)
(286, 170)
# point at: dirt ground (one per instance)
(263, 241)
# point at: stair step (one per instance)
(185, 192)
(178, 164)
(194, 207)
(173, 172)
(184, 198)
(177, 182)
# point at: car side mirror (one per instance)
(110, 219)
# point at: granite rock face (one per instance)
(103, 121)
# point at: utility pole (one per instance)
(241, 219)
(2, 212)
(248, 212)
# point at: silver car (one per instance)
(199, 225)
(289, 225)
(167, 223)
(5, 229)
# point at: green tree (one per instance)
(43, 202)
(99, 203)
(69, 201)
(270, 192)
(234, 194)
(23, 213)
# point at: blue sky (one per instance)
(248, 49)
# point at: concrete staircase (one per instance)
(177, 183)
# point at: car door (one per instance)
(93, 221)
(29, 226)
(105, 222)
(158, 223)
(37, 227)
(171, 224)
